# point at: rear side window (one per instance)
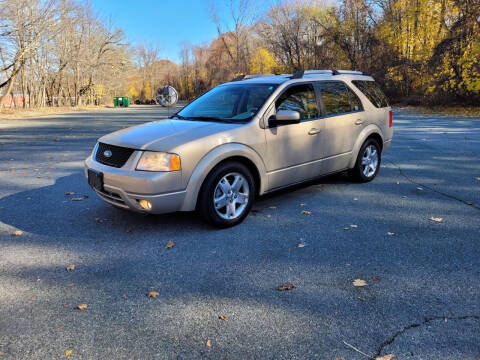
(335, 96)
(299, 98)
(354, 101)
(372, 91)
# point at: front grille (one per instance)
(119, 156)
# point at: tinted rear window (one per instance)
(335, 97)
(372, 91)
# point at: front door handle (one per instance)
(314, 131)
(359, 122)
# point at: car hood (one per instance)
(151, 136)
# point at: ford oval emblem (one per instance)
(107, 153)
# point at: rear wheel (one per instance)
(368, 161)
(227, 195)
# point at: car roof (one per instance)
(303, 76)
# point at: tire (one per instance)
(369, 155)
(227, 195)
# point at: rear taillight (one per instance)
(390, 118)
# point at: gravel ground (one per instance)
(422, 300)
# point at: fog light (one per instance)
(145, 204)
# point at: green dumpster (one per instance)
(121, 101)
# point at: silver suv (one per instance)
(243, 139)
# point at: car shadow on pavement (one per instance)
(69, 207)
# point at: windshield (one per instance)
(228, 103)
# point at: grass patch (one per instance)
(19, 113)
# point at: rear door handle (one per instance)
(314, 131)
(359, 122)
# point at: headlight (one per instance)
(158, 161)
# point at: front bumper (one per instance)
(124, 187)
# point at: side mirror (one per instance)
(284, 117)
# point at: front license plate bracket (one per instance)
(95, 179)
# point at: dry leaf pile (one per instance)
(82, 306)
(359, 283)
(153, 294)
(286, 287)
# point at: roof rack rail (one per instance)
(250, 76)
(298, 74)
(301, 73)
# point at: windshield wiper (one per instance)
(178, 117)
(207, 118)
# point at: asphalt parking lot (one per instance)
(422, 299)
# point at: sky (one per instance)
(168, 23)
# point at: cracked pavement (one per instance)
(422, 300)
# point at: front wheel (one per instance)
(368, 161)
(227, 195)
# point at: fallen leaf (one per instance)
(353, 226)
(361, 298)
(170, 244)
(338, 358)
(285, 287)
(124, 296)
(272, 207)
(306, 212)
(301, 245)
(98, 220)
(17, 233)
(209, 343)
(69, 193)
(82, 306)
(346, 228)
(376, 278)
(359, 282)
(68, 353)
(222, 317)
(385, 357)
(153, 294)
(60, 328)
(1, 353)
(390, 233)
(77, 199)
(302, 204)
(85, 196)
(71, 267)
(32, 298)
(436, 219)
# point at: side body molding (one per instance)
(213, 158)
(364, 134)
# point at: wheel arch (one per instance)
(221, 154)
(370, 132)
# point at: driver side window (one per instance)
(300, 98)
